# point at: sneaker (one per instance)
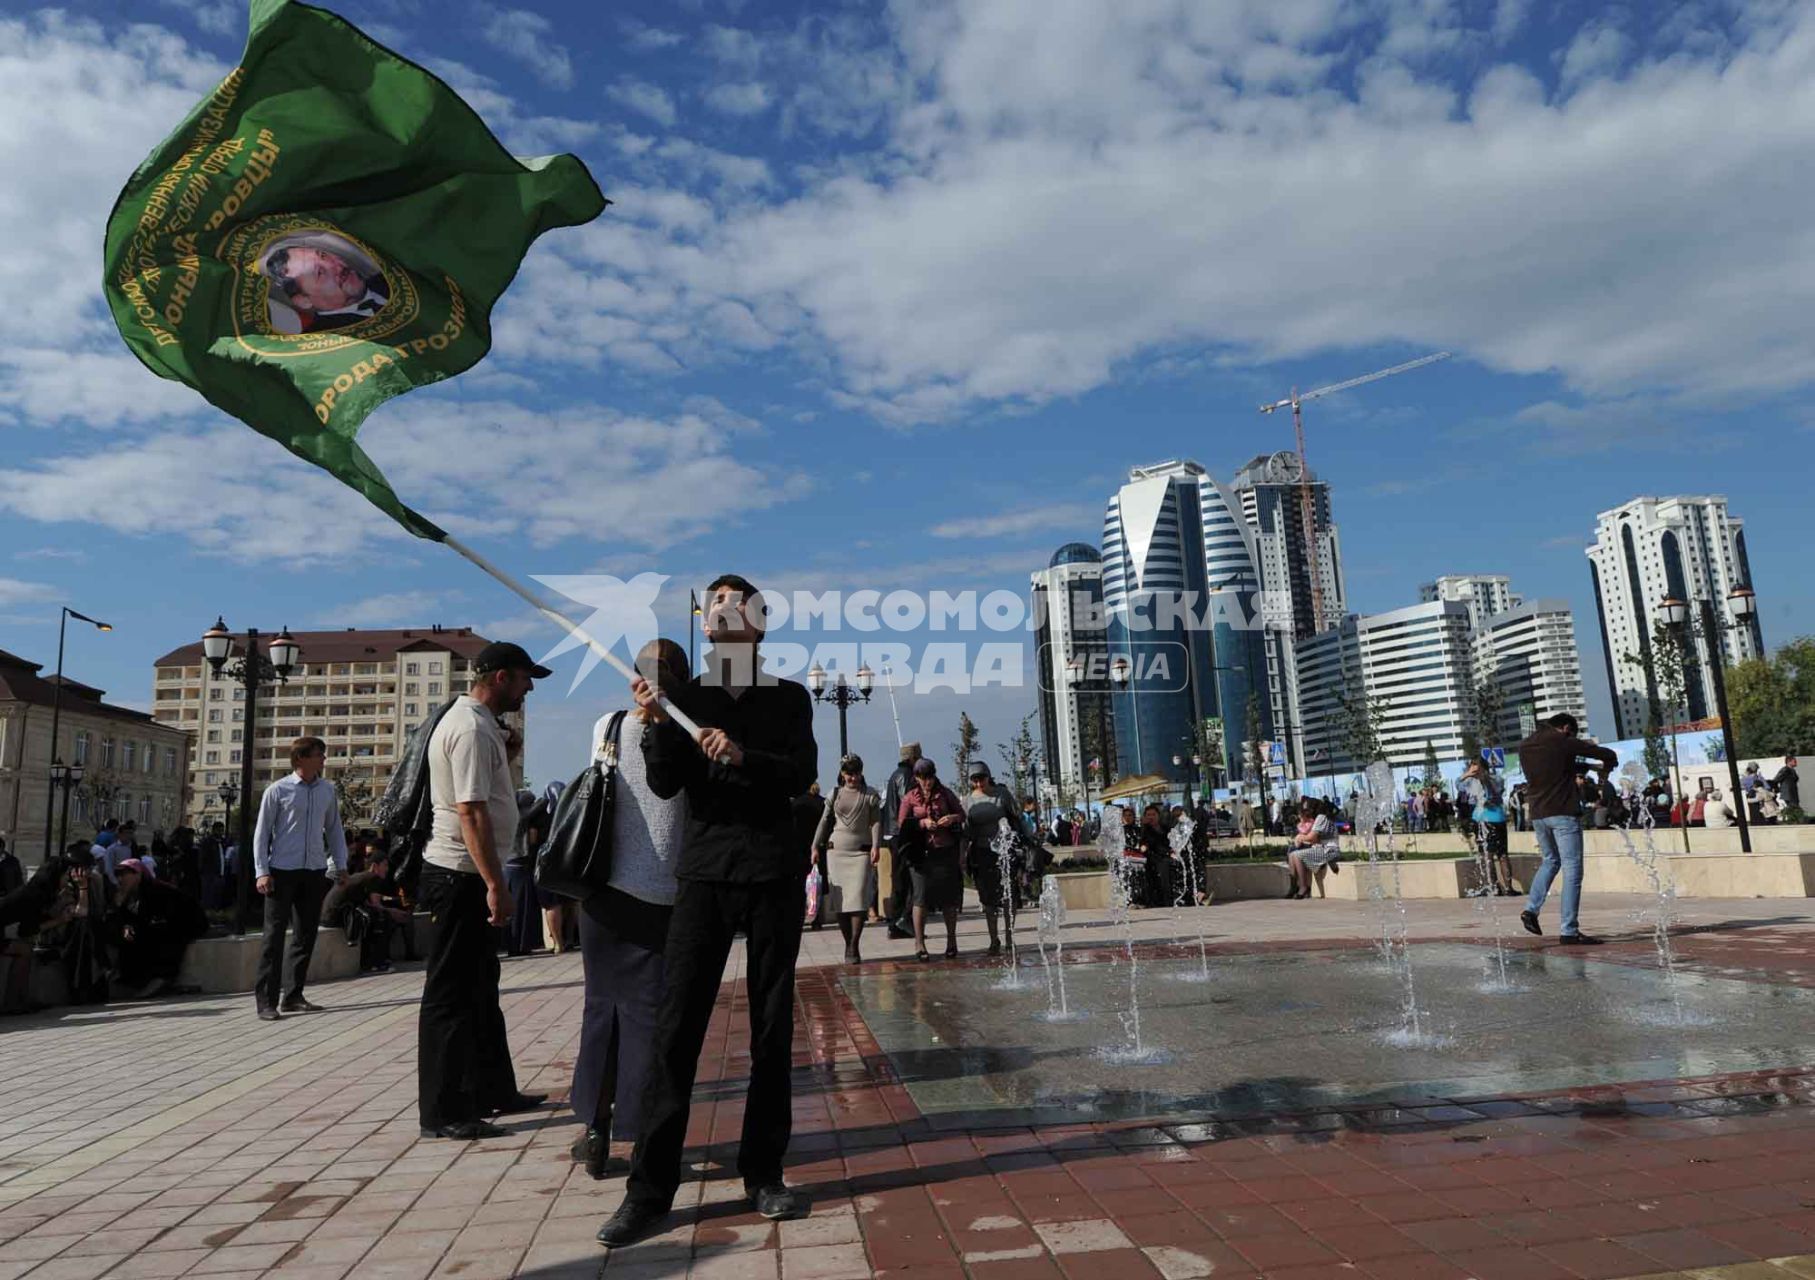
(1529, 919)
(776, 1201)
(1579, 940)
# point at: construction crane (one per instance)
(1295, 402)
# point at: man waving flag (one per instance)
(330, 228)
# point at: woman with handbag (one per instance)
(624, 926)
(938, 819)
(848, 845)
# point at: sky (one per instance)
(893, 295)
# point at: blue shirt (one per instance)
(298, 828)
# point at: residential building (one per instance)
(1650, 549)
(1416, 665)
(361, 692)
(1485, 594)
(133, 767)
(1076, 720)
(1529, 653)
(1270, 492)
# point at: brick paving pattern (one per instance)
(186, 1138)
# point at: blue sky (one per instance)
(892, 295)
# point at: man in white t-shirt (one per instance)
(463, 1071)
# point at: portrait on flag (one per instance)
(318, 280)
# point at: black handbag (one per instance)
(575, 861)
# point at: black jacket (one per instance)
(899, 783)
(740, 821)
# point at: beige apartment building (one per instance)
(132, 766)
(361, 692)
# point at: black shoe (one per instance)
(267, 1014)
(897, 932)
(296, 1004)
(633, 1220)
(995, 948)
(522, 1102)
(1579, 940)
(777, 1201)
(1529, 919)
(464, 1130)
(593, 1149)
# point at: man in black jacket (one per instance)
(740, 869)
(900, 904)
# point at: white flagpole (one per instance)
(888, 682)
(569, 625)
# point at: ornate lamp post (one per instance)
(1742, 603)
(251, 669)
(65, 778)
(841, 695)
(56, 714)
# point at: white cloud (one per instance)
(1028, 520)
(216, 17)
(52, 553)
(14, 591)
(645, 99)
(1012, 239)
(647, 38)
(528, 37)
(744, 98)
(523, 133)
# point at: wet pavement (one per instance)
(186, 1138)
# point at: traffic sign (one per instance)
(1276, 754)
(1494, 757)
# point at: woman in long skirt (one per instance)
(848, 845)
(623, 929)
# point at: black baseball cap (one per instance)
(502, 655)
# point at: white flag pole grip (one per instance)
(555, 615)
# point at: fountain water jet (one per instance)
(1488, 901)
(1052, 916)
(1180, 840)
(1003, 844)
(1121, 898)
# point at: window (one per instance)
(82, 746)
(214, 694)
(239, 693)
(145, 810)
(434, 688)
(129, 756)
(214, 715)
(410, 689)
(412, 668)
(435, 667)
(233, 757)
(151, 757)
(214, 735)
(409, 709)
(82, 805)
(212, 757)
(170, 761)
(107, 753)
(237, 735)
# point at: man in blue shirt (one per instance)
(298, 833)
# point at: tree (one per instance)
(1666, 657)
(965, 749)
(1208, 747)
(358, 797)
(1358, 720)
(102, 789)
(1251, 767)
(1019, 757)
(1433, 775)
(1772, 701)
(1098, 744)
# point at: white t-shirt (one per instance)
(468, 762)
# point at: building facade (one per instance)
(1650, 549)
(361, 692)
(133, 767)
(1485, 594)
(1076, 720)
(1528, 653)
(1270, 495)
(1415, 664)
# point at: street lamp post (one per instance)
(229, 795)
(64, 777)
(1742, 603)
(252, 668)
(841, 695)
(56, 713)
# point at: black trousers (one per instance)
(294, 900)
(706, 916)
(463, 1068)
(901, 889)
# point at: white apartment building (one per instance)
(1650, 549)
(1485, 594)
(1067, 601)
(1418, 662)
(361, 692)
(1530, 653)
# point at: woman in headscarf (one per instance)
(624, 928)
(986, 807)
(848, 845)
(938, 880)
(151, 925)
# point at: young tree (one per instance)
(1208, 748)
(1358, 720)
(1668, 659)
(965, 749)
(1018, 757)
(1433, 775)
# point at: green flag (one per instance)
(330, 228)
